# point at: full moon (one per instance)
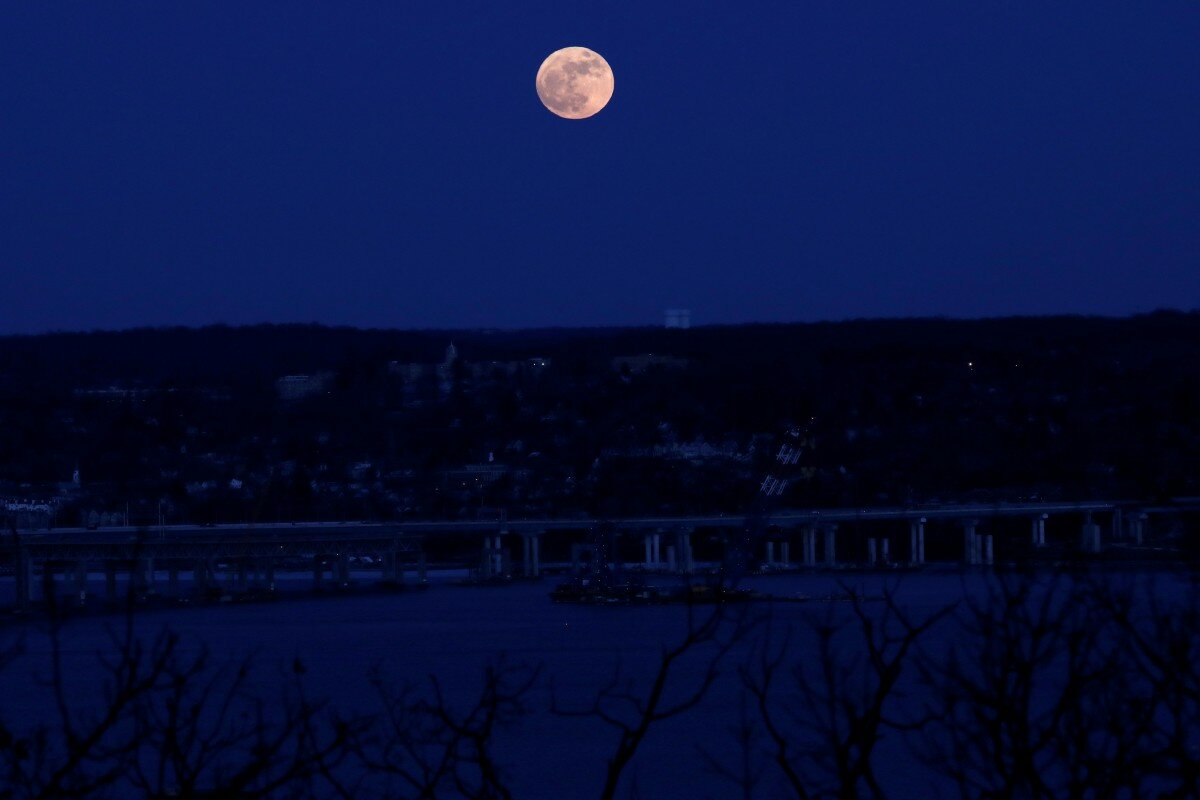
(574, 82)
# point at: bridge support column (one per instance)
(649, 542)
(1090, 535)
(685, 547)
(971, 544)
(785, 554)
(270, 574)
(110, 581)
(1118, 529)
(173, 580)
(485, 558)
(808, 546)
(491, 563)
(988, 553)
(1137, 527)
(885, 546)
(871, 555)
(830, 545)
(770, 554)
(657, 554)
(1039, 530)
(916, 539)
(671, 558)
(498, 555)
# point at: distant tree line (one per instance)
(901, 411)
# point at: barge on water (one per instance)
(635, 591)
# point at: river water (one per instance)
(453, 631)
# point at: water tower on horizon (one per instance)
(677, 318)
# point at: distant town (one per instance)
(276, 423)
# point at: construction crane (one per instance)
(789, 466)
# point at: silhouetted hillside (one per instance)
(379, 424)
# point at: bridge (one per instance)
(252, 553)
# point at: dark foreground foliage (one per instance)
(1045, 688)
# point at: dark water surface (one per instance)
(452, 632)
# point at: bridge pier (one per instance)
(110, 581)
(526, 556)
(1090, 535)
(830, 530)
(685, 551)
(530, 547)
(878, 550)
(770, 553)
(1039, 530)
(1137, 527)
(808, 546)
(916, 541)
(173, 580)
(972, 546)
(492, 559)
(785, 554)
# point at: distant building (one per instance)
(636, 365)
(297, 387)
(445, 370)
(677, 318)
(473, 476)
(410, 372)
(477, 370)
(506, 369)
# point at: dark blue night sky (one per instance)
(389, 163)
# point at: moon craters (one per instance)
(575, 82)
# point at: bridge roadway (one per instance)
(252, 552)
(786, 518)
